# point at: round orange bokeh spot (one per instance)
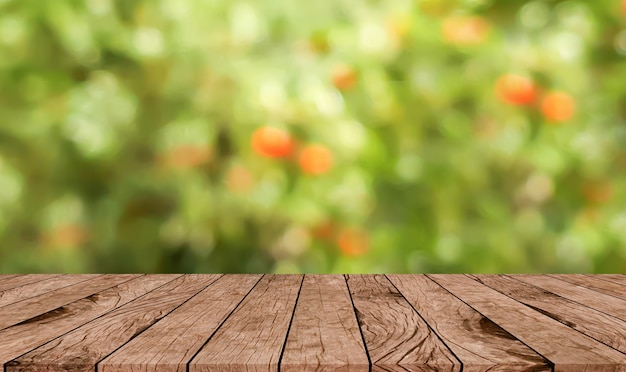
(315, 159)
(558, 107)
(272, 142)
(344, 77)
(516, 89)
(353, 242)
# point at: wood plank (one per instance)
(4, 277)
(239, 322)
(171, 343)
(324, 333)
(32, 333)
(252, 338)
(477, 342)
(607, 304)
(567, 348)
(397, 338)
(82, 348)
(31, 307)
(597, 284)
(35, 289)
(615, 278)
(20, 280)
(591, 322)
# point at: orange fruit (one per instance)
(272, 142)
(462, 30)
(353, 241)
(624, 7)
(315, 159)
(344, 77)
(558, 107)
(516, 89)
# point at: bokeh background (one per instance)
(346, 136)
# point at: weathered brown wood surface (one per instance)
(351, 323)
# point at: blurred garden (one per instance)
(346, 136)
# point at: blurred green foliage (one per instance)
(126, 136)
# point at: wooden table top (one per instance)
(211, 322)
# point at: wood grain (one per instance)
(171, 343)
(615, 278)
(568, 349)
(32, 333)
(597, 284)
(4, 277)
(252, 338)
(607, 304)
(330, 323)
(593, 323)
(82, 348)
(479, 343)
(13, 281)
(397, 338)
(23, 292)
(324, 332)
(33, 306)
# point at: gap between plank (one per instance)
(119, 347)
(606, 279)
(52, 290)
(369, 360)
(584, 286)
(73, 329)
(293, 313)
(220, 325)
(428, 325)
(565, 324)
(512, 335)
(566, 298)
(36, 281)
(69, 303)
